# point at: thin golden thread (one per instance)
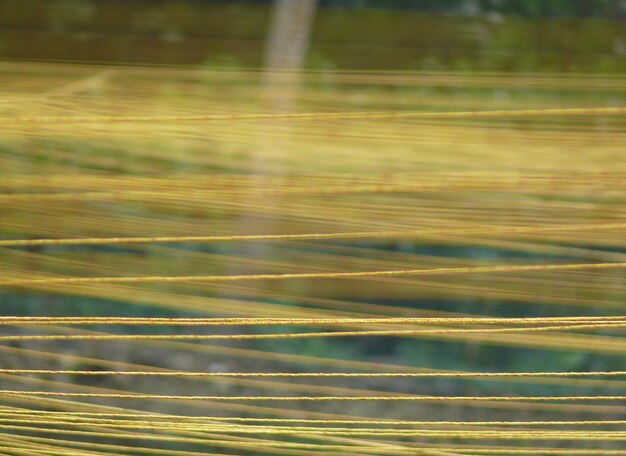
(329, 190)
(311, 236)
(263, 409)
(135, 449)
(386, 447)
(307, 388)
(85, 182)
(216, 424)
(188, 432)
(20, 446)
(264, 354)
(195, 418)
(196, 347)
(223, 443)
(316, 374)
(206, 441)
(442, 434)
(379, 187)
(387, 450)
(200, 453)
(472, 434)
(308, 335)
(313, 398)
(507, 405)
(433, 450)
(604, 342)
(314, 275)
(591, 111)
(244, 321)
(132, 436)
(56, 451)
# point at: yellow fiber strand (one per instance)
(408, 332)
(590, 111)
(226, 419)
(328, 275)
(298, 321)
(318, 374)
(313, 236)
(319, 398)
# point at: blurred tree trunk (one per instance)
(287, 44)
(285, 53)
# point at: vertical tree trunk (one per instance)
(287, 44)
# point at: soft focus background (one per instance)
(462, 35)
(467, 184)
